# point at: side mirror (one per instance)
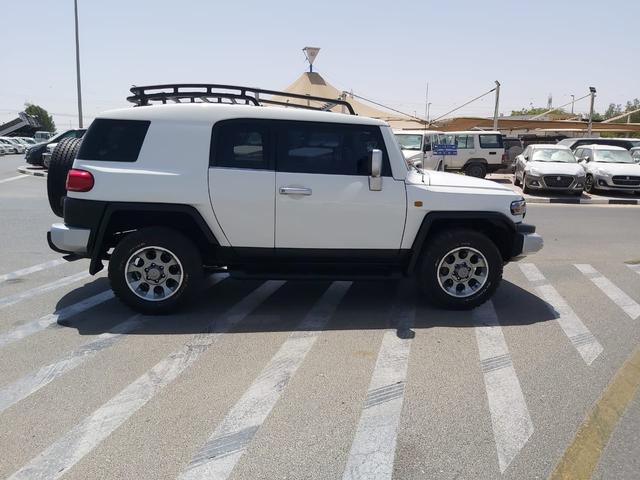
(375, 179)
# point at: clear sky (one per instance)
(384, 50)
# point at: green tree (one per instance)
(42, 115)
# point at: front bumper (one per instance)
(526, 241)
(602, 182)
(65, 239)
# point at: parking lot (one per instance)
(317, 379)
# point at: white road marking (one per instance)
(34, 381)
(580, 336)
(69, 449)
(18, 297)
(36, 268)
(374, 446)
(11, 179)
(46, 321)
(512, 426)
(617, 296)
(635, 268)
(221, 452)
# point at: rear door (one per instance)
(323, 200)
(241, 182)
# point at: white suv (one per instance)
(276, 193)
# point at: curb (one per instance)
(31, 171)
(583, 201)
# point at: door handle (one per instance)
(294, 191)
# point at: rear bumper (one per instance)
(65, 239)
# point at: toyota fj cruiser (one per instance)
(273, 192)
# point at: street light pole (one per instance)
(495, 112)
(592, 91)
(75, 5)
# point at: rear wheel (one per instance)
(460, 269)
(61, 162)
(155, 270)
(478, 170)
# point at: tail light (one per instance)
(79, 181)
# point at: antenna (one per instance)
(310, 54)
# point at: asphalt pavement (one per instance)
(315, 380)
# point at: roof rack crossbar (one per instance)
(205, 92)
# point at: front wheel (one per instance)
(460, 269)
(590, 185)
(155, 270)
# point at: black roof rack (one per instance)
(230, 94)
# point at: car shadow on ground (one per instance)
(367, 305)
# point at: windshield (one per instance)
(553, 155)
(409, 142)
(613, 156)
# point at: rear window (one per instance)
(490, 141)
(113, 140)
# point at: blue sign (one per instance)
(444, 149)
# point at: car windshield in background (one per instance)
(553, 155)
(409, 142)
(636, 143)
(613, 156)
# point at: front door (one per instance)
(323, 200)
(241, 182)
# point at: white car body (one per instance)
(296, 205)
(416, 146)
(549, 175)
(9, 146)
(605, 174)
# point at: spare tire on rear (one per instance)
(62, 159)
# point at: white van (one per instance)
(478, 152)
(417, 146)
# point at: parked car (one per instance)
(574, 143)
(549, 167)
(10, 147)
(478, 152)
(34, 154)
(19, 147)
(3, 149)
(608, 168)
(635, 154)
(345, 202)
(416, 146)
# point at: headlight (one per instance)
(604, 173)
(519, 207)
(534, 173)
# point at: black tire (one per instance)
(590, 185)
(525, 189)
(164, 238)
(438, 248)
(62, 159)
(478, 170)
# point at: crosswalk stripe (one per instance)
(34, 381)
(512, 426)
(579, 335)
(36, 268)
(60, 456)
(635, 268)
(617, 296)
(373, 449)
(18, 297)
(11, 179)
(219, 455)
(26, 329)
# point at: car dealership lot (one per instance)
(269, 379)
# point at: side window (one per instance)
(325, 148)
(587, 153)
(240, 144)
(578, 153)
(491, 141)
(110, 140)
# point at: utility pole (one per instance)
(75, 4)
(426, 104)
(592, 91)
(573, 101)
(428, 108)
(495, 112)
